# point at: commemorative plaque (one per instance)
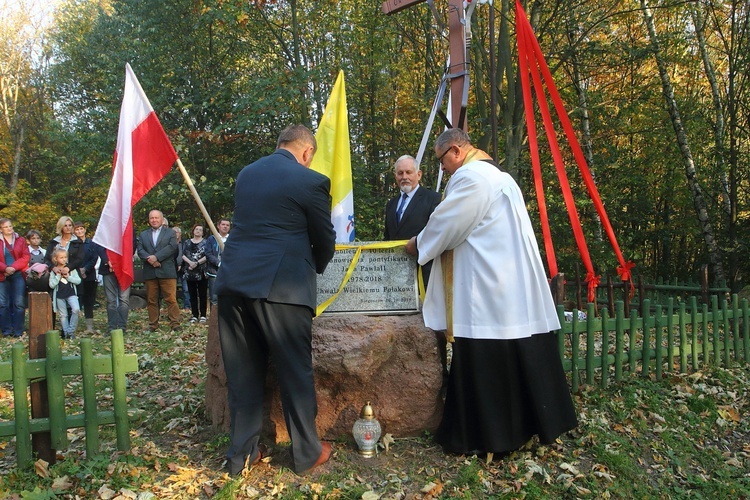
(382, 281)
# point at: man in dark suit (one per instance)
(281, 237)
(157, 247)
(407, 214)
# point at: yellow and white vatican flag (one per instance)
(333, 159)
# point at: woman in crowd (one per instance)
(14, 260)
(65, 239)
(181, 270)
(87, 272)
(194, 257)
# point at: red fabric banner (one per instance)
(531, 60)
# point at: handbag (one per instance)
(37, 278)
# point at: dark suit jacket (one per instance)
(165, 251)
(76, 252)
(414, 218)
(281, 232)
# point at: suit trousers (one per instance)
(168, 289)
(252, 331)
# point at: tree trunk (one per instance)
(699, 202)
(719, 127)
(19, 137)
(512, 106)
(583, 103)
(727, 187)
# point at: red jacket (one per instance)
(20, 253)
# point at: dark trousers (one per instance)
(251, 331)
(198, 297)
(87, 297)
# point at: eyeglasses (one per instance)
(440, 158)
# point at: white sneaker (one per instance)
(203, 319)
(193, 320)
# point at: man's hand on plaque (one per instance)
(411, 246)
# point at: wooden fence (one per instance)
(22, 372)
(662, 338)
(567, 289)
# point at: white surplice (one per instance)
(500, 290)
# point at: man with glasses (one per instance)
(490, 292)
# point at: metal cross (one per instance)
(459, 66)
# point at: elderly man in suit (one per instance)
(281, 237)
(157, 247)
(407, 214)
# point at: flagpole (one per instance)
(185, 175)
(198, 200)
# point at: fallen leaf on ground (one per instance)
(432, 488)
(41, 468)
(105, 493)
(387, 440)
(61, 484)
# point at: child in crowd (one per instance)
(65, 294)
(34, 238)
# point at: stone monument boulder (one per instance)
(391, 361)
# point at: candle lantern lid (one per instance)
(367, 412)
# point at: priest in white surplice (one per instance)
(489, 291)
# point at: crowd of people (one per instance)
(72, 266)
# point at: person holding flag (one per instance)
(118, 299)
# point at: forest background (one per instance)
(657, 92)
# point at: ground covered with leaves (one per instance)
(686, 436)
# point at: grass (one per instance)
(686, 436)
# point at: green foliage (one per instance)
(225, 76)
(469, 478)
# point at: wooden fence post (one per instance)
(40, 322)
(558, 289)
(24, 455)
(641, 292)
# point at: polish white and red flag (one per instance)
(143, 156)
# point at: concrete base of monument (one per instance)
(391, 361)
